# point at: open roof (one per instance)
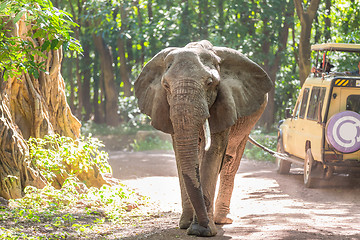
(342, 47)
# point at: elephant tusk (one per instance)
(207, 134)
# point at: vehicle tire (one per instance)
(283, 166)
(309, 180)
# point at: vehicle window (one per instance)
(296, 110)
(304, 102)
(316, 102)
(353, 103)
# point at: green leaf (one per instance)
(45, 45)
(54, 43)
(4, 5)
(18, 16)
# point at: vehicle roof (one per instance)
(318, 81)
(342, 47)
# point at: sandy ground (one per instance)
(264, 205)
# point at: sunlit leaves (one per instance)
(48, 23)
(60, 156)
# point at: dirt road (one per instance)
(264, 205)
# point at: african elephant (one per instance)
(204, 96)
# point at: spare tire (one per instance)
(343, 132)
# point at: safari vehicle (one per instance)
(323, 131)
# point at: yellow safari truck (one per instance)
(323, 131)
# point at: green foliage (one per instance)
(268, 140)
(70, 212)
(51, 25)
(151, 143)
(59, 155)
(74, 211)
(130, 113)
(127, 128)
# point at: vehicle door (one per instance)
(292, 132)
(313, 129)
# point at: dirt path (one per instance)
(265, 205)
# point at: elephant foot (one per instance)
(222, 219)
(185, 220)
(200, 231)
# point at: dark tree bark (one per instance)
(140, 23)
(273, 66)
(111, 98)
(86, 73)
(306, 19)
(204, 18)
(124, 74)
(327, 31)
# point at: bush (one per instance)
(151, 143)
(59, 156)
(256, 153)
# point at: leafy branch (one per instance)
(49, 29)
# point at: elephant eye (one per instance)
(166, 85)
(209, 81)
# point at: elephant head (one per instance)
(182, 88)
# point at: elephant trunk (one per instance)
(187, 155)
(187, 116)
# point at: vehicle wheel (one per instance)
(283, 166)
(309, 180)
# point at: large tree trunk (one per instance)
(111, 98)
(306, 19)
(16, 170)
(272, 67)
(86, 72)
(32, 107)
(124, 74)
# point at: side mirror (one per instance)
(288, 113)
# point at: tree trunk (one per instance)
(121, 46)
(111, 98)
(327, 27)
(31, 107)
(86, 72)
(306, 19)
(272, 68)
(16, 171)
(204, 18)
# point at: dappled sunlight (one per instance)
(261, 206)
(264, 205)
(163, 191)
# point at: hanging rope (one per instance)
(273, 153)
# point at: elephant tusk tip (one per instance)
(207, 135)
(207, 145)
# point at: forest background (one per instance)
(81, 57)
(119, 36)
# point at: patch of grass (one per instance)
(268, 140)
(151, 143)
(64, 213)
(58, 157)
(94, 129)
(72, 210)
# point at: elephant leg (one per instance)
(227, 175)
(210, 168)
(187, 209)
(210, 163)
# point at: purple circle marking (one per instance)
(343, 131)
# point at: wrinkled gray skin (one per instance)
(182, 87)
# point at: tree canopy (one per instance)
(126, 34)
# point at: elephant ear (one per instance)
(242, 89)
(151, 95)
